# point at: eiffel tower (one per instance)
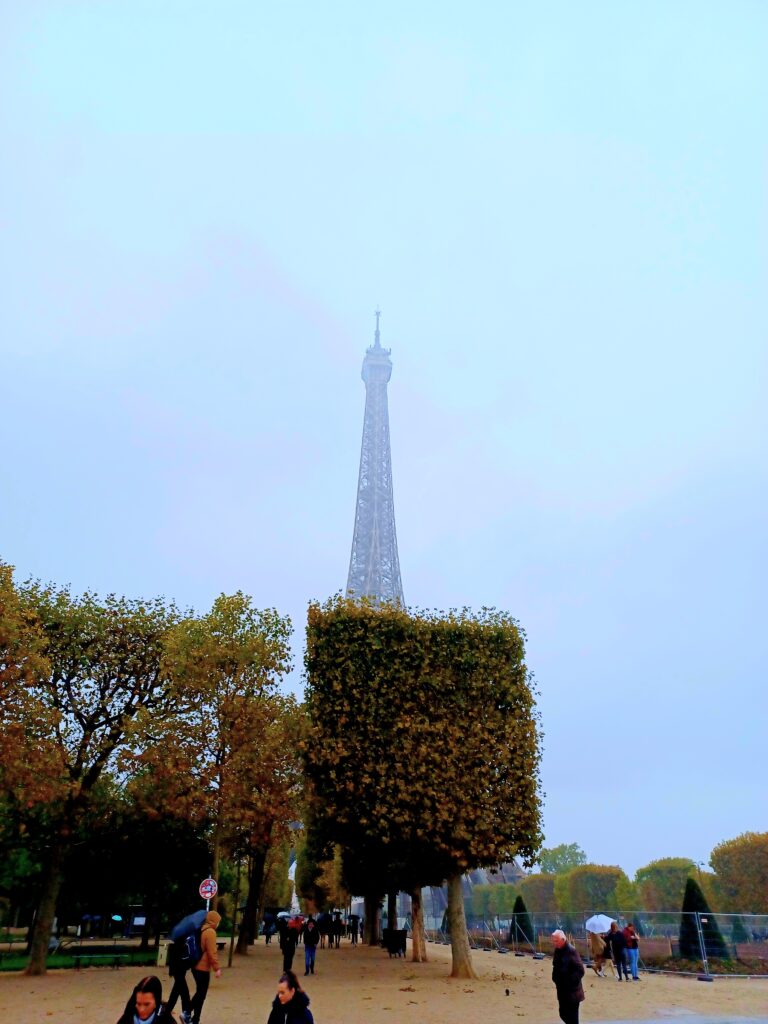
(374, 568)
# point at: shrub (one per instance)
(695, 903)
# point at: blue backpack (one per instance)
(186, 939)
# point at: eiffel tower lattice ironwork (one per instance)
(374, 567)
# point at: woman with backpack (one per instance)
(291, 1004)
(208, 962)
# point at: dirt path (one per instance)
(359, 985)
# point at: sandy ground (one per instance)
(360, 985)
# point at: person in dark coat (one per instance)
(567, 972)
(618, 945)
(146, 1004)
(291, 1004)
(288, 940)
(180, 990)
(311, 936)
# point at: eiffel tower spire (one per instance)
(374, 566)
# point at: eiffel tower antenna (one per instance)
(374, 566)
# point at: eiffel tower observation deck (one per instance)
(374, 566)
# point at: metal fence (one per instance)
(709, 944)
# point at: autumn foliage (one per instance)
(182, 710)
(741, 865)
(422, 754)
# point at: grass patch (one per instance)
(66, 961)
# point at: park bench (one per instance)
(115, 959)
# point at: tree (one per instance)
(626, 896)
(590, 887)
(228, 662)
(694, 904)
(559, 859)
(741, 866)
(481, 902)
(102, 681)
(276, 889)
(738, 932)
(422, 756)
(122, 856)
(522, 929)
(29, 763)
(538, 891)
(320, 882)
(661, 883)
(506, 898)
(22, 641)
(229, 756)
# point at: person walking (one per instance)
(311, 935)
(618, 945)
(180, 990)
(208, 962)
(146, 1004)
(288, 938)
(291, 1004)
(567, 972)
(633, 949)
(597, 952)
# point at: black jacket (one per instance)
(295, 1011)
(616, 942)
(567, 972)
(161, 1017)
(311, 935)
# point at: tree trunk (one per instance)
(249, 923)
(46, 909)
(215, 859)
(392, 910)
(234, 912)
(418, 940)
(371, 931)
(144, 944)
(457, 925)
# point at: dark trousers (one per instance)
(288, 952)
(569, 1010)
(620, 959)
(202, 981)
(180, 990)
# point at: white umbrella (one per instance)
(283, 913)
(598, 923)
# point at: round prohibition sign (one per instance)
(208, 888)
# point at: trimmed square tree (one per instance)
(422, 753)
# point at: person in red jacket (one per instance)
(208, 962)
(633, 949)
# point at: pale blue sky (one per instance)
(561, 209)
